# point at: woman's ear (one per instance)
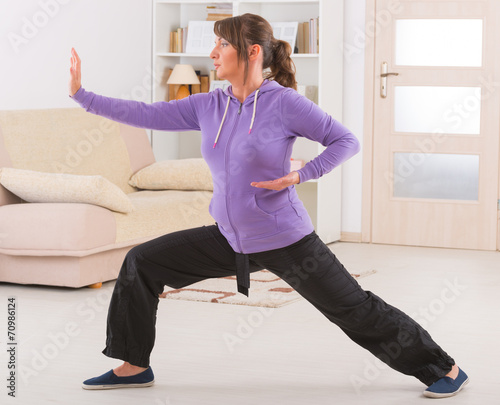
(254, 51)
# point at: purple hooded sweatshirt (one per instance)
(244, 143)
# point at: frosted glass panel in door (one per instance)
(439, 42)
(437, 109)
(435, 175)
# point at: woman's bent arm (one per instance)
(304, 118)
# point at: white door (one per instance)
(436, 124)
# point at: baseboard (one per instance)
(350, 237)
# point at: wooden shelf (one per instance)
(196, 55)
(321, 197)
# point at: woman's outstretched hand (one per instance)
(279, 184)
(75, 71)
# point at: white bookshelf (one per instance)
(324, 70)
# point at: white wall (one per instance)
(354, 23)
(113, 38)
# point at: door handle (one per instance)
(383, 79)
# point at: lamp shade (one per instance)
(183, 74)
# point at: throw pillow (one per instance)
(179, 174)
(40, 187)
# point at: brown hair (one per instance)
(251, 29)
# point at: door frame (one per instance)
(370, 77)
(368, 124)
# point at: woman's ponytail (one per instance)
(282, 66)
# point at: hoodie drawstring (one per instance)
(225, 113)
(254, 109)
(222, 122)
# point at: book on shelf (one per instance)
(184, 38)
(313, 35)
(205, 83)
(178, 40)
(308, 36)
(217, 17)
(196, 88)
(213, 75)
(203, 87)
(219, 11)
(300, 38)
(171, 88)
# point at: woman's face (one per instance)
(225, 59)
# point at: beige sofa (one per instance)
(78, 244)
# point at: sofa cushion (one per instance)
(68, 140)
(161, 212)
(55, 229)
(38, 187)
(179, 174)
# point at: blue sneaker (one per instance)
(446, 386)
(110, 380)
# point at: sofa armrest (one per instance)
(48, 229)
(6, 197)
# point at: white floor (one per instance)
(225, 354)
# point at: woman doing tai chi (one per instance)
(248, 131)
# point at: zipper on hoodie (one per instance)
(228, 194)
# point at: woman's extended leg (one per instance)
(313, 270)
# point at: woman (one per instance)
(247, 137)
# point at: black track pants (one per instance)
(185, 257)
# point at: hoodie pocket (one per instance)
(251, 221)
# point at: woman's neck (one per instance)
(242, 91)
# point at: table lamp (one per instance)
(183, 75)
